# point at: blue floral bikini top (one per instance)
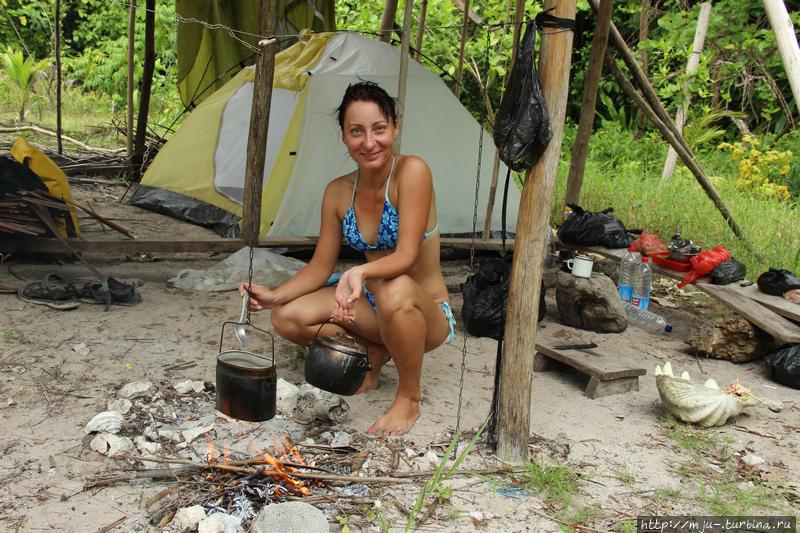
(387, 228)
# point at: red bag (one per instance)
(704, 263)
(648, 244)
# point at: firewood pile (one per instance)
(21, 213)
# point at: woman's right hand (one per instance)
(261, 297)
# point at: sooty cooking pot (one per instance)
(337, 364)
(246, 382)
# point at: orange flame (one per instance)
(279, 470)
(210, 452)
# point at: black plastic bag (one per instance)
(784, 363)
(776, 281)
(486, 297)
(728, 272)
(594, 229)
(522, 128)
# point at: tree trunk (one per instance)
(516, 368)
(644, 32)
(403, 78)
(577, 164)
(786, 39)
(691, 68)
(146, 87)
(58, 76)
(423, 10)
(387, 20)
(259, 126)
(460, 69)
(131, 70)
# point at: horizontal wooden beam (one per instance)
(220, 245)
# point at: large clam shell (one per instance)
(705, 404)
(107, 421)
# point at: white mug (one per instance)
(581, 266)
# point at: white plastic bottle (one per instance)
(641, 285)
(627, 271)
(647, 320)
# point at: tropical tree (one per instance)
(21, 72)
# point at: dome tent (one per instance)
(205, 159)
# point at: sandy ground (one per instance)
(620, 446)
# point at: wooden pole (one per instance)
(691, 68)
(514, 409)
(594, 72)
(423, 11)
(259, 125)
(686, 156)
(387, 20)
(786, 39)
(519, 14)
(131, 69)
(403, 78)
(460, 69)
(58, 76)
(147, 84)
(644, 32)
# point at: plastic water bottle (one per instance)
(647, 320)
(641, 285)
(627, 270)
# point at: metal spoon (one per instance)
(239, 330)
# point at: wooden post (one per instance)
(460, 69)
(688, 157)
(146, 87)
(514, 409)
(387, 20)
(644, 32)
(786, 39)
(519, 13)
(423, 10)
(594, 72)
(58, 76)
(131, 69)
(691, 68)
(403, 78)
(259, 125)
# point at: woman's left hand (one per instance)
(348, 291)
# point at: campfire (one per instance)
(221, 466)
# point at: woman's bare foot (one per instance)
(378, 356)
(400, 418)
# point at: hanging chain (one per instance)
(472, 245)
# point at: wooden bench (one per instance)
(607, 376)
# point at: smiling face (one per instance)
(368, 135)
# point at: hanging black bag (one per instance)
(522, 128)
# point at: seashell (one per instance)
(699, 404)
(121, 405)
(135, 389)
(107, 421)
(685, 375)
(111, 445)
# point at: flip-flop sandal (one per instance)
(53, 291)
(110, 292)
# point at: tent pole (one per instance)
(516, 369)
(387, 20)
(147, 84)
(58, 76)
(687, 156)
(787, 44)
(423, 11)
(580, 149)
(131, 68)
(691, 68)
(519, 13)
(259, 125)
(460, 70)
(403, 78)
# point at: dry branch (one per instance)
(76, 142)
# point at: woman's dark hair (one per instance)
(367, 91)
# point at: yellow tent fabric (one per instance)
(183, 168)
(51, 175)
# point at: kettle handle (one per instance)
(271, 336)
(330, 319)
